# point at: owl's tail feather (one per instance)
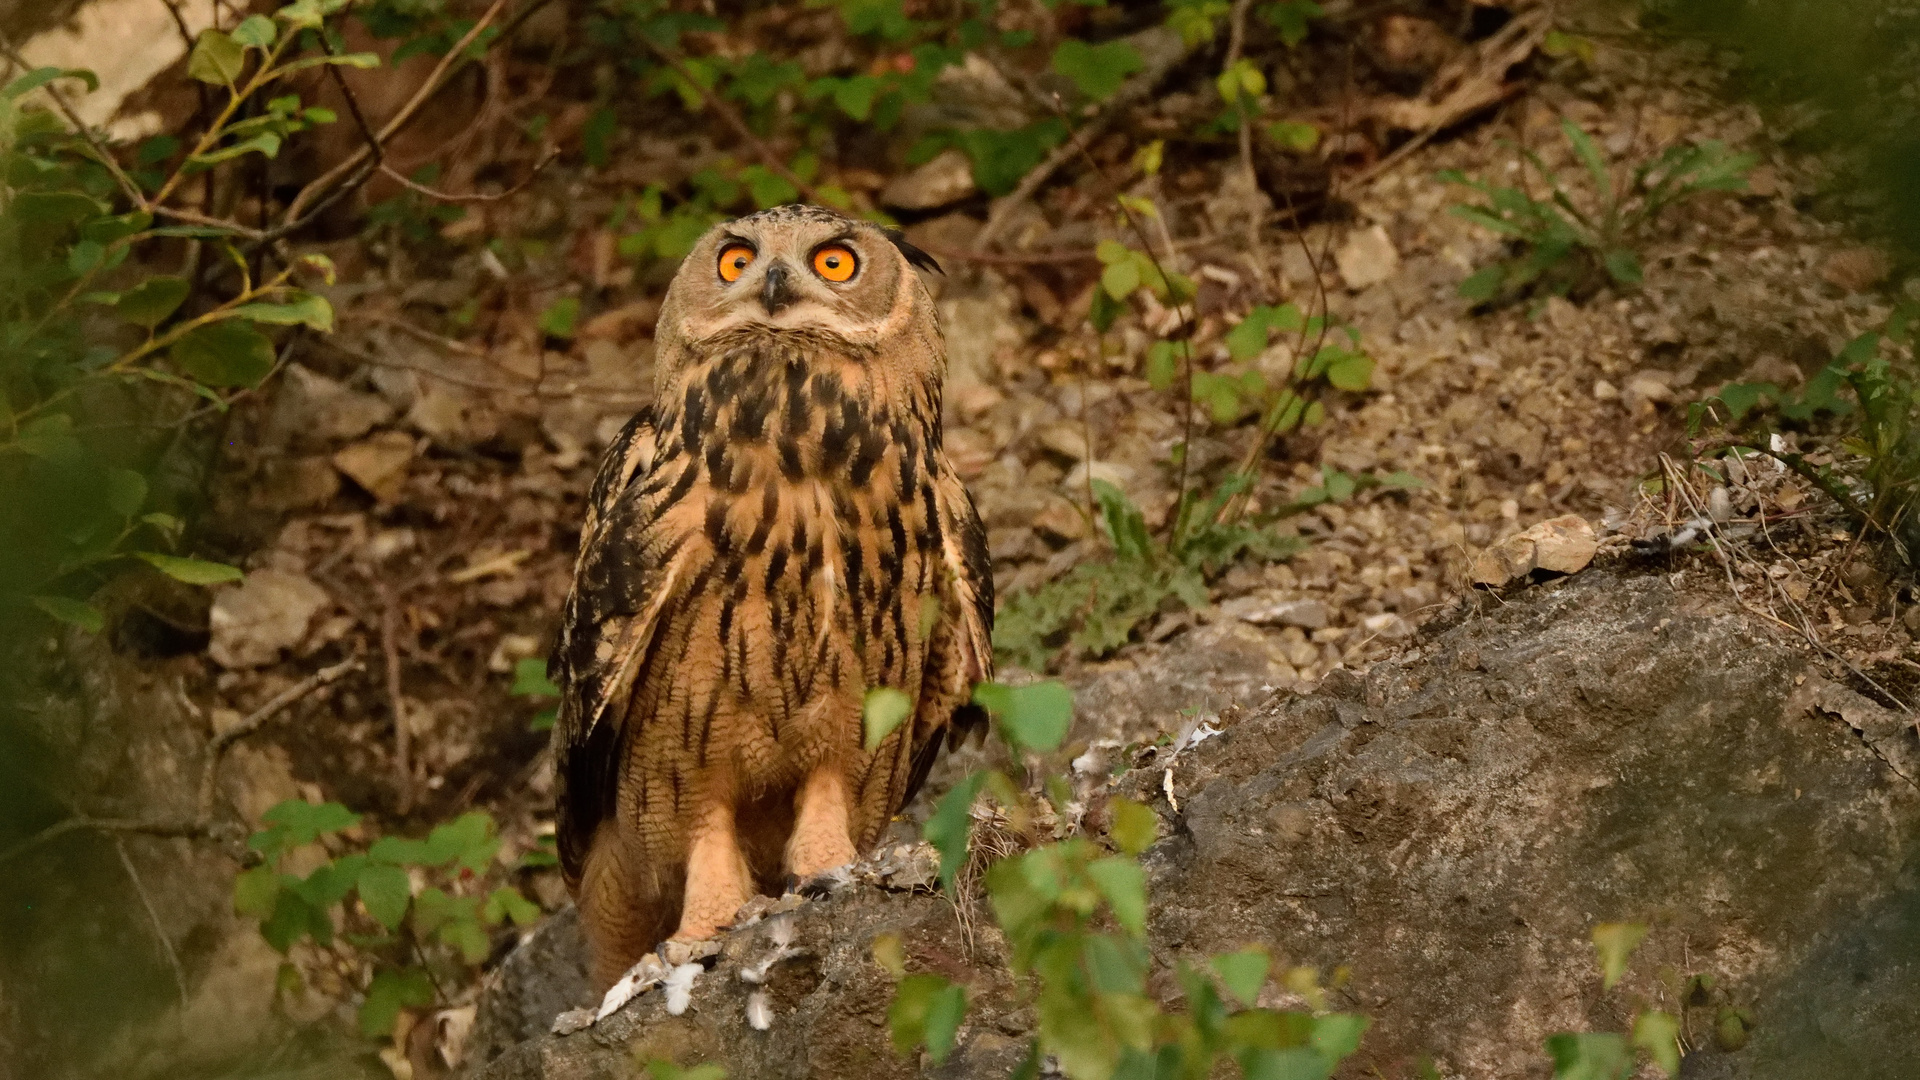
(626, 908)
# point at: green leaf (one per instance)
(1589, 1055)
(1624, 267)
(1124, 884)
(884, 710)
(1301, 138)
(1293, 1063)
(216, 59)
(926, 1009)
(1589, 154)
(1740, 398)
(149, 303)
(1289, 17)
(390, 992)
(191, 571)
(1484, 285)
(1244, 972)
(39, 77)
(1134, 826)
(1615, 942)
(505, 904)
(72, 612)
(386, 891)
(1121, 279)
(1658, 1034)
(302, 309)
(399, 851)
(126, 491)
(299, 822)
(1337, 1035)
(1350, 371)
(1097, 71)
(256, 32)
(256, 892)
(950, 825)
(1163, 364)
(1033, 717)
(225, 353)
(559, 318)
(468, 839)
(530, 679)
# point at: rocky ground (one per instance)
(408, 492)
(1445, 830)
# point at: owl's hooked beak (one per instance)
(775, 292)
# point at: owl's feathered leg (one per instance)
(625, 906)
(717, 878)
(822, 827)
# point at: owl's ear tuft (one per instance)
(914, 255)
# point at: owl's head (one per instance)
(800, 269)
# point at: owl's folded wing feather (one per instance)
(962, 647)
(619, 584)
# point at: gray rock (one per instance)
(271, 611)
(1451, 827)
(943, 181)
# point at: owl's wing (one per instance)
(618, 587)
(962, 647)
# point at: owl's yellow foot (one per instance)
(717, 878)
(822, 832)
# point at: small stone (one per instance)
(1647, 387)
(252, 623)
(1856, 269)
(1562, 545)
(945, 180)
(1067, 438)
(378, 464)
(1060, 521)
(312, 409)
(1112, 472)
(1367, 258)
(1387, 625)
(1267, 611)
(295, 483)
(1604, 390)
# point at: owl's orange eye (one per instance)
(734, 260)
(834, 263)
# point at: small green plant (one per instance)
(419, 912)
(1567, 247)
(1075, 917)
(1871, 393)
(1096, 607)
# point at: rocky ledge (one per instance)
(1448, 827)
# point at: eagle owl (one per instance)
(777, 535)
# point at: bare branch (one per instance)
(453, 58)
(474, 197)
